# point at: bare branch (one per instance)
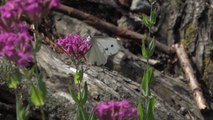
(189, 73)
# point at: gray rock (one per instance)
(140, 6)
(65, 24)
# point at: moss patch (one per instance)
(190, 34)
(208, 67)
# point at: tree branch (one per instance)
(189, 73)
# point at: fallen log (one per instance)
(173, 98)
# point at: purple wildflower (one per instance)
(115, 110)
(75, 45)
(15, 40)
(11, 12)
(17, 46)
(37, 8)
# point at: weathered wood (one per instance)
(191, 79)
(190, 22)
(173, 100)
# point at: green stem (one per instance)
(79, 89)
(42, 113)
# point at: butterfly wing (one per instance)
(101, 49)
(108, 44)
(96, 56)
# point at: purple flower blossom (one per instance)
(17, 46)
(36, 8)
(11, 12)
(115, 110)
(15, 41)
(75, 45)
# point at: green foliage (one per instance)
(14, 79)
(28, 73)
(38, 94)
(147, 21)
(81, 97)
(151, 20)
(140, 111)
(146, 111)
(153, 17)
(146, 81)
(21, 112)
(150, 108)
(84, 94)
(92, 116)
(81, 115)
(74, 96)
(38, 43)
(36, 97)
(78, 76)
(147, 52)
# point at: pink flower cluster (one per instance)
(11, 12)
(15, 40)
(16, 46)
(115, 110)
(75, 45)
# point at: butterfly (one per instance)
(102, 48)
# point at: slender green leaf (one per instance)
(84, 94)
(144, 50)
(92, 116)
(151, 48)
(146, 81)
(42, 86)
(140, 111)
(151, 108)
(153, 16)
(38, 44)
(74, 96)
(21, 112)
(147, 22)
(79, 97)
(81, 115)
(37, 97)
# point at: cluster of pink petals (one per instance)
(17, 46)
(34, 9)
(75, 45)
(115, 110)
(15, 40)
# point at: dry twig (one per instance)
(193, 83)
